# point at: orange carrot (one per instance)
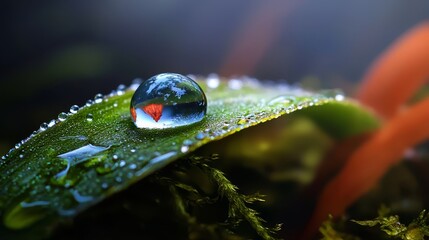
(368, 164)
(398, 73)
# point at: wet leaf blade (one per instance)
(29, 175)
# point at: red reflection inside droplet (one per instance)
(154, 110)
(133, 114)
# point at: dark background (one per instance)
(58, 53)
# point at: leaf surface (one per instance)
(69, 165)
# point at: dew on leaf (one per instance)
(122, 163)
(118, 179)
(184, 148)
(51, 123)
(282, 99)
(200, 136)
(43, 127)
(80, 198)
(98, 98)
(77, 156)
(62, 116)
(89, 117)
(235, 84)
(89, 103)
(213, 81)
(74, 109)
(168, 100)
(104, 185)
(121, 89)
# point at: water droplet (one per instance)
(80, 198)
(184, 148)
(122, 163)
(121, 89)
(62, 116)
(74, 109)
(51, 123)
(133, 150)
(132, 166)
(89, 117)
(118, 179)
(200, 136)
(339, 97)
(104, 185)
(89, 102)
(213, 81)
(115, 157)
(168, 100)
(43, 127)
(136, 83)
(115, 104)
(281, 100)
(21, 156)
(235, 84)
(77, 156)
(98, 98)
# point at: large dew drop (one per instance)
(168, 100)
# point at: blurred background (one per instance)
(58, 53)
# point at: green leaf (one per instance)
(96, 152)
(390, 224)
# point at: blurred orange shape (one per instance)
(398, 73)
(390, 82)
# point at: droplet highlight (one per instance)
(168, 100)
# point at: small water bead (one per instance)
(118, 179)
(51, 123)
(168, 100)
(74, 109)
(200, 136)
(89, 117)
(184, 148)
(89, 103)
(281, 100)
(122, 163)
(121, 89)
(135, 84)
(235, 84)
(104, 185)
(43, 127)
(98, 98)
(213, 81)
(62, 117)
(339, 97)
